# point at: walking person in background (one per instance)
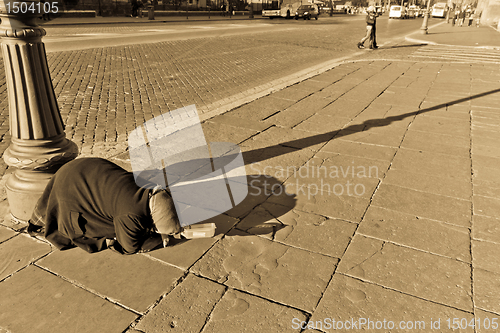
(478, 18)
(454, 17)
(461, 17)
(468, 18)
(373, 39)
(370, 24)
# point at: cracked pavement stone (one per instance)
(257, 265)
(347, 300)
(432, 277)
(185, 309)
(240, 312)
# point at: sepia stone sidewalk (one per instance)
(374, 197)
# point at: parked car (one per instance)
(397, 12)
(411, 13)
(307, 11)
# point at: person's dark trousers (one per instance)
(373, 40)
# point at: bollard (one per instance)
(38, 142)
(151, 12)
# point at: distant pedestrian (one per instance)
(478, 18)
(454, 17)
(468, 17)
(373, 37)
(370, 26)
(461, 18)
(135, 6)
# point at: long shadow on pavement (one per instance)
(254, 156)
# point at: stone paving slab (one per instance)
(239, 311)
(291, 138)
(416, 232)
(426, 162)
(19, 252)
(486, 189)
(185, 309)
(50, 304)
(486, 290)
(437, 143)
(486, 228)
(184, 254)
(257, 265)
(360, 149)
(6, 234)
(117, 277)
(316, 201)
(486, 206)
(320, 123)
(424, 204)
(485, 255)
(441, 125)
(348, 299)
(485, 176)
(447, 186)
(428, 276)
(302, 230)
(370, 137)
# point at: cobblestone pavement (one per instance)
(411, 241)
(104, 93)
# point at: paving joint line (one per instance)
(415, 249)
(404, 293)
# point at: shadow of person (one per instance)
(250, 215)
(259, 188)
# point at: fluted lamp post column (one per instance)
(38, 142)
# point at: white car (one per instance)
(397, 12)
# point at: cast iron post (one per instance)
(38, 142)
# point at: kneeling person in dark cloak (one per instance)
(94, 204)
